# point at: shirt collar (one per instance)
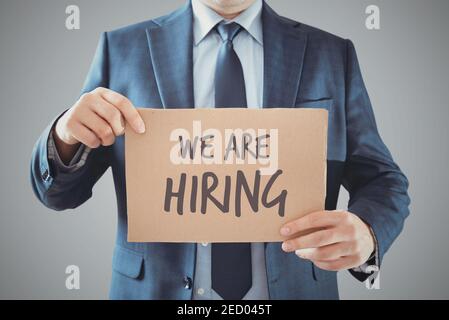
(205, 19)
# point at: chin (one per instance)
(229, 3)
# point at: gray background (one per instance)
(42, 68)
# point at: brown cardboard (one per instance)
(301, 141)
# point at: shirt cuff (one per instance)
(78, 160)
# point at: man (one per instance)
(230, 53)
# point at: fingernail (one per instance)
(140, 127)
(300, 254)
(286, 246)
(285, 231)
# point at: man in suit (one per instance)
(229, 53)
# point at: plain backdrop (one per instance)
(42, 69)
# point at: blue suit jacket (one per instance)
(151, 63)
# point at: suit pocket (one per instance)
(127, 262)
(325, 103)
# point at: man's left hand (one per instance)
(332, 240)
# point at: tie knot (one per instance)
(228, 31)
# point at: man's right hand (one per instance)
(96, 119)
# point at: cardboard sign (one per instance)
(223, 175)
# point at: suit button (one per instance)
(45, 175)
(187, 281)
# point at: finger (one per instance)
(326, 253)
(100, 127)
(125, 106)
(315, 240)
(318, 219)
(339, 264)
(111, 114)
(85, 136)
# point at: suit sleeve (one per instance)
(54, 185)
(376, 185)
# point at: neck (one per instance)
(229, 16)
(229, 12)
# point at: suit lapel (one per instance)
(171, 49)
(284, 50)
